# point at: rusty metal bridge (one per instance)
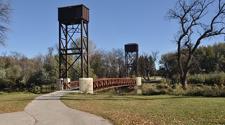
(106, 83)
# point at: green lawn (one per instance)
(16, 101)
(151, 110)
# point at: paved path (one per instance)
(49, 110)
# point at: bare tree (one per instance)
(4, 19)
(195, 25)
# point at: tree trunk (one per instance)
(183, 80)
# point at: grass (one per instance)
(15, 101)
(151, 110)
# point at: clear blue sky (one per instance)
(113, 23)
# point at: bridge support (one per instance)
(138, 85)
(73, 41)
(63, 83)
(86, 85)
(60, 84)
(131, 59)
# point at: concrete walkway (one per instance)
(49, 110)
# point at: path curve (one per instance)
(49, 110)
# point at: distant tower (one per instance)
(131, 58)
(73, 40)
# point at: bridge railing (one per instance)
(113, 82)
(74, 84)
(107, 83)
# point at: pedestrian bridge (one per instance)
(106, 83)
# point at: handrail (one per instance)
(103, 83)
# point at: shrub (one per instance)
(156, 89)
(208, 79)
(43, 88)
(177, 90)
(6, 85)
(192, 90)
(3, 84)
(195, 79)
(37, 89)
(201, 90)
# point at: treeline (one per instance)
(207, 60)
(17, 72)
(112, 64)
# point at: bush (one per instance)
(200, 90)
(156, 89)
(177, 90)
(3, 84)
(37, 90)
(48, 88)
(6, 85)
(44, 88)
(192, 90)
(208, 79)
(195, 79)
